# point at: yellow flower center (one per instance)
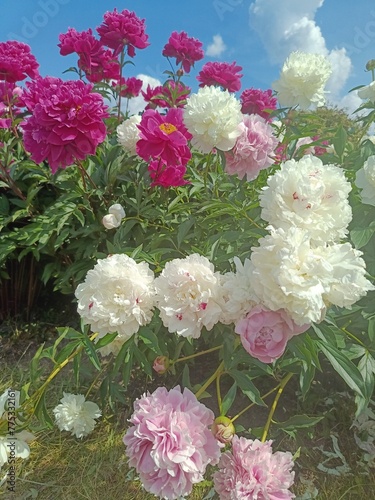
(168, 128)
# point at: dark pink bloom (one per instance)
(97, 63)
(256, 101)
(221, 74)
(9, 102)
(123, 29)
(17, 62)
(154, 97)
(130, 87)
(169, 442)
(66, 124)
(164, 137)
(187, 50)
(320, 150)
(167, 175)
(253, 150)
(251, 471)
(264, 333)
(169, 95)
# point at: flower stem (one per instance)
(282, 385)
(209, 381)
(191, 356)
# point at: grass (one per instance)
(63, 467)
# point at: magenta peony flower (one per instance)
(66, 122)
(187, 50)
(164, 137)
(96, 62)
(264, 333)
(221, 74)
(170, 443)
(253, 149)
(17, 62)
(256, 101)
(130, 87)
(123, 29)
(10, 103)
(167, 175)
(251, 471)
(169, 95)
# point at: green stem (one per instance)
(252, 404)
(218, 393)
(191, 356)
(282, 385)
(209, 381)
(122, 58)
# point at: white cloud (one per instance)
(217, 47)
(289, 25)
(138, 104)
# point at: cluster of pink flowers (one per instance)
(128, 87)
(170, 95)
(9, 102)
(66, 123)
(170, 445)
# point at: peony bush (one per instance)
(225, 224)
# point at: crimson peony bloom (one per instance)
(17, 62)
(66, 123)
(164, 137)
(221, 73)
(256, 101)
(187, 50)
(169, 95)
(167, 175)
(169, 442)
(130, 87)
(123, 29)
(97, 63)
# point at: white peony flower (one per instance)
(128, 133)
(304, 280)
(239, 295)
(76, 415)
(114, 216)
(189, 295)
(213, 117)
(302, 80)
(365, 180)
(367, 92)
(117, 296)
(308, 195)
(345, 280)
(15, 444)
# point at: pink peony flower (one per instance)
(66, 122)
(154, 97)
(251, 471)
(320, 150)
(130, 87)
(185, 49)
(164, 137)
(169, 95)
(123, 29)
(264, 333)
(221, 74)
(253, 149)
(256, 101)
(167, 175)
(169, 442)
(96, 62)
(17, 62)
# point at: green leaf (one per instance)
(361, 236)
(107, 339)
(184, 229)
(339, 141)
(298, 422)
(247, 387)
(341, 363)
(91, 352)
(149, 338)
(228, 399)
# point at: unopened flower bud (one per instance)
(161, 364)
(117, 210)
(110, 221)
(180, 72)
(223, 429)
(370, 65)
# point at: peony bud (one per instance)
(117, 210)
(223, 429)
(110, 221)
(161, 364)
(370, 65)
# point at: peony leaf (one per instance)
(228, 399)
(247, 387)
(298, 422)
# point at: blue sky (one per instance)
(257, 34)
